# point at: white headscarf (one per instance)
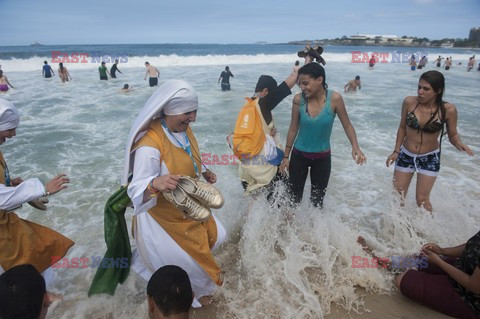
(174, 97)
(9, 116)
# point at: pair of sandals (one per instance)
(39, 203)
(194, 198)
(314, 53)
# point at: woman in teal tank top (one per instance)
(308, 139)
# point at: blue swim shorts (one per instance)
(426, 164)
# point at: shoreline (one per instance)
(393, 305)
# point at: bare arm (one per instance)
(470, 282)
(291, 80)
(338, 106)
(292, 131)
(401, 133)
(6, 80)
(449, 251)
(453, 137)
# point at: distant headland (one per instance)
(473, 41)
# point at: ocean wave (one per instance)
(36, 63)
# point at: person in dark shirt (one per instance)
(225, 77)
(102, 70)
(114, 69)
(47, 71)
(447, 279)
(252, 175)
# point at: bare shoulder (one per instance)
(297, 98)
(449, 108)
(335, 96)
(410, 101)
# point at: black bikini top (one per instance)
(432, 126)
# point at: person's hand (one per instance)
(165, 182)
(16, 181)
(284, 166)
(432, 257)
(358, 156)
(392, 158)
(56, 184)
(464, 148)
(433, 248)
(210, 176)
(273, 132)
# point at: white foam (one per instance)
(36, 63)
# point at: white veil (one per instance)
(171, 98)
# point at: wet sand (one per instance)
(393, 306)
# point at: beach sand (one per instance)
(393, 306)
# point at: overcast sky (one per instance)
(228, 21)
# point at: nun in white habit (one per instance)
(161, 146)
(22, 241)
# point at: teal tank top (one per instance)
(314, 133)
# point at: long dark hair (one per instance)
(437, 81)
(314, 70)
(61, 66)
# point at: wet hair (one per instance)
(227, 68)
(45, 62)
(125, 86)
(22, 289)
(103, 62)
(357, 77)
(315, 71)
(116, 61)
(147, 63)
(60, 65)
(437, 81)
(1, 72)
(171, 290)
(265, 82)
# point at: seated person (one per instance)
(169, 293)
(23, 293)
(450, 283)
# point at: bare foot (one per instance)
(54, 297)
(383, 262)
(364, 245)
(206, 300)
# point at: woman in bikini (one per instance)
(417, 148)
(4, 82)
(63, 73)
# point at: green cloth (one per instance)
(118, 246)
